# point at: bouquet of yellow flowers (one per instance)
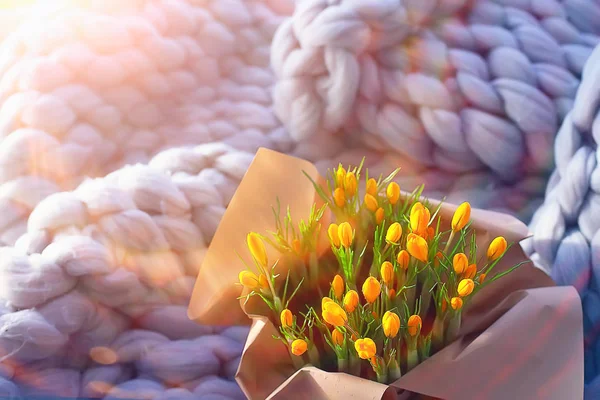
(375, 285)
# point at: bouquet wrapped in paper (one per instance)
(357, 290)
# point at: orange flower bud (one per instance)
(465, 287)
(351, 301)
(371, 202)
(374, 314)
(471, 271)
(460, 263)
(497, 248)
(387, 271)
(249, 279)
(296, 245)
(286, 317)
(340, 176)
(403, 259)
(391, 324)
(417, 247)
(345, 234)
(333, 314)
(334, 237)
(391, 294)
(263, 282)
(257, 249)
(394, 233)
(438, 258)
(456, 303)
(350, 184)
(430, 233)
(338, 287)
(444, 304)
(339, 196)
(414, 325)
(372, 187)
(379, 215)
(365, 348)
(299, 347)
(482, 278)
(461, 216)
(419, 219)
(371, 289)
(393, 192)
(337, 337)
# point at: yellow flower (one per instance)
(419, 219)
(456, 303)
(350, 184)
(337, 337)
(338, 287)
(391, 324)
(339, 197)
(351, 301)
(471, 271)
(365, 348)
(482, 278)
(394, 233)
(257, 249)
(461, 216)
(379, 215)
(345, 234)
(286, 317)
(372, 187)
(371, 289)
(262, 281)
(249, 279)
(334, 237)
(465, 287)
(371, 202)
(324, 301)
(460, 263)
(417, 247)
(403, 258)
(393, 192)
(387, 271)
(299, 347)
(340, 176)
(334, 314)
(497, 247)
(414, 325)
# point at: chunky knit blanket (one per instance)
(126, 125)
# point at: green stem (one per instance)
(354, 367)
(313, 356)
(342, 365)
(449, 242)
(395, 372)
(437, 340)
(412, 358)
(453, 328)
(382, 377)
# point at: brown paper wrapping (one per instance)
(521, 337)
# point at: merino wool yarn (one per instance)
(126, 126)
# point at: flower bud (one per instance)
(371, 289)
(351, 301)
(387, 272)
(403, 259)
(379, 215)
(430, 233)
(414, 325)
(456, 303)
(340, 176)
(391, 294)
(482, 278)
(350, 184)
(437, 259)
(391, 324)
(419, 219)
(263, 282)
(286, 317)
(299, 347)
(334, 237)
(497, 248)
(345, 234)
(338, 287)
(371, 202)
(461, 216)
(249, 279)
(257, 249)
(393, 193)
(372, 187)
(334, 314)
(444, 304)
(339, 197)
(465, 287)
(296, 245)
(324, 301)
(365, 348)
(417, 247)
(460, 262)
(471, 271)
(394, 233)
(337, 337)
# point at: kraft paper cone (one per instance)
(521, 337)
